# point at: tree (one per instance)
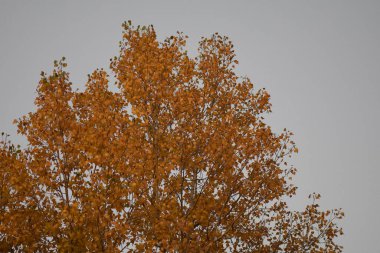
(175, 157)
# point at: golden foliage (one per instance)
(177, 158)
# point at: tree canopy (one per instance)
(173, 156)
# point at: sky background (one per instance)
(320, 61)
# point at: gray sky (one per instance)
(320, 60)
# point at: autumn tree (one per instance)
(174, 156)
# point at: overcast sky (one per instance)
(320, 60)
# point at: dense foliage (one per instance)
(174, 157)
